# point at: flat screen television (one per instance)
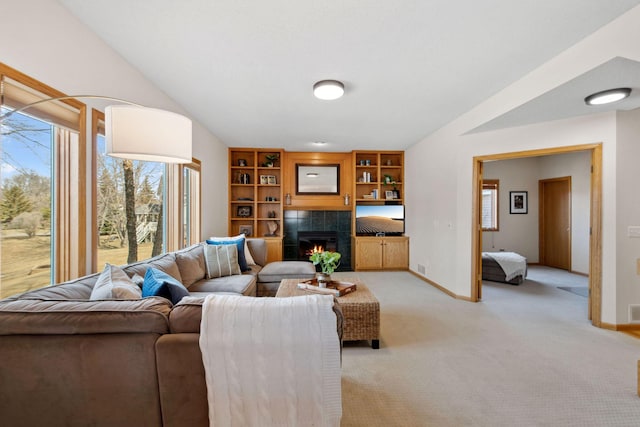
(374, 220)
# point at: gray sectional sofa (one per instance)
(66, 360)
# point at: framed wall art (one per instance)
(317, 179)
(518, 202)
(247, 230)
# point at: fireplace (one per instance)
(310, 241)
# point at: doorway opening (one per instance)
(595, 221)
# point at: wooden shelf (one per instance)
(248, 165)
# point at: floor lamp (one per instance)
(138, 133)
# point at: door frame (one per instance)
(541, 220)
(595, 221)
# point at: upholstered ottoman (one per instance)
(271, 275)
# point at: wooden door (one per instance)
(555, 222)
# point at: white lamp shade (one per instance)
(140, 133)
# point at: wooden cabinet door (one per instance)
(274, 250)
(396, 253)
(368, 253)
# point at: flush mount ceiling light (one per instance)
(607, 96)
(328, 89)
(312, 174)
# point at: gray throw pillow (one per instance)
(113, 283)
(221, 260)
(191, 264)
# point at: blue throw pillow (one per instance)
(159, 284)
(239, 242)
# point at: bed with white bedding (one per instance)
(506, 267)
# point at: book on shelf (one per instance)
(335, 287)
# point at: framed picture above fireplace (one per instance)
(317, 179)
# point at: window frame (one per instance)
(68, 188)
(491, 184)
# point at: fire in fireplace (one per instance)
(316, 241)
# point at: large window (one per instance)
(134, 215)
(490, 205)
(42, 238)
(129, 206)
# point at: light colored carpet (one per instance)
(524, 356)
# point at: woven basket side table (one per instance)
(361, 311)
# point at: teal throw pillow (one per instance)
(157, 283)
(236, 240)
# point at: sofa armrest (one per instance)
(73, 317)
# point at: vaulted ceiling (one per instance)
(245, 69)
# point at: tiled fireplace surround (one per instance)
(307, 220)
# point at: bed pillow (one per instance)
(221, 260)
(239, 241)
(113, 283)
(160, 284)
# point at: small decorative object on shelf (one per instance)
(244, 178)
(242, 162)
(273, 229)
(271, 160)
(244, 211)
(328, 261)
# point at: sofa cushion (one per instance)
(185, 317)
(190, 262)
(114, 283)
(159, 283)
(221, 260)
(278, 270)
(244, 284)
(238, 241)
(165, 262)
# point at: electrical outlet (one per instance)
(423, 270)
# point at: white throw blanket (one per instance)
(271, 361)
(512, 264)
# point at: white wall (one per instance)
(519, 233)
(44, 41)
(628, 213)
(578, 167)
(440, 226)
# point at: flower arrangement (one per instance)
(328, 261)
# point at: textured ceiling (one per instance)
(245, 69)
